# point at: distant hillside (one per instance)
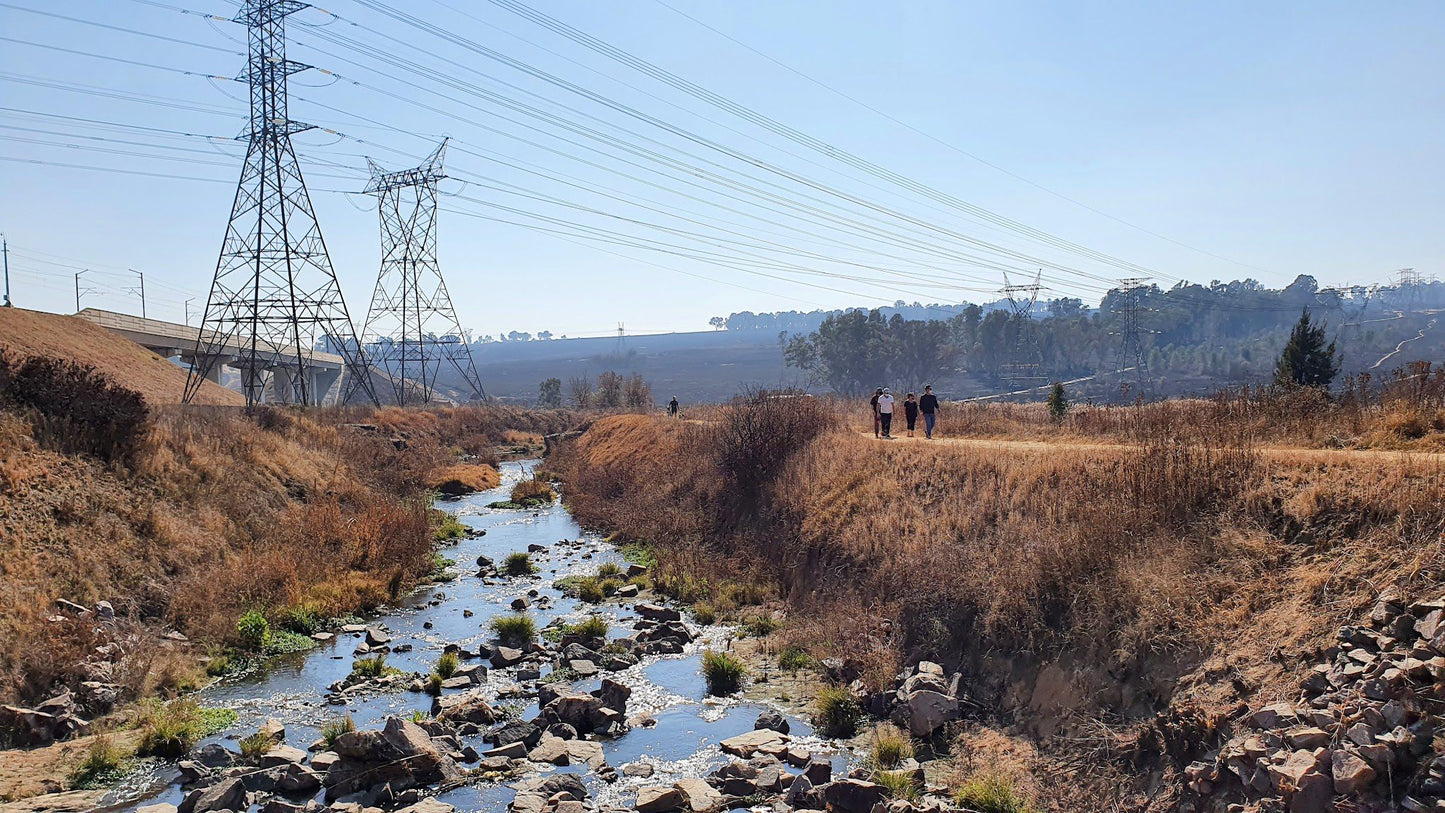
(32, 333)
(703, 366)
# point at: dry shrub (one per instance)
(534, 489)
(73, 407)
(755, 436)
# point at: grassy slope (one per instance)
(32, 333)
(1071, 583)
(221, 513)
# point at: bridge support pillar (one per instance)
(322, 382)
(283, 388)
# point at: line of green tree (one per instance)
(1231, 331)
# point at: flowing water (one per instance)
(293, 689)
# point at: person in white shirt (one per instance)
(885, 412)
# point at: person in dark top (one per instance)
(928, 405)
(877, 419)
(910, 411)
(672, 407)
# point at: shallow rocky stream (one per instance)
(669, 688)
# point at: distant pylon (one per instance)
(275, 300)
(1025, 363)
(1130, 357)
(1409, 283)
(621, 340)
(412, 328)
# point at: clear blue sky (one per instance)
(1278, 139)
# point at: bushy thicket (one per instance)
(73, 407)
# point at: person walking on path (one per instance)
(877, 420)
(910, 411)
(885, 413)
(928, 405)
(672, 407)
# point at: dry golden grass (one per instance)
(1067, 580)
(32, 333)
(464, 478)
(220, 513)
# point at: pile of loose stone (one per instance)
(1362, 731)
(63, 716)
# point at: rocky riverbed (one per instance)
(564, 723)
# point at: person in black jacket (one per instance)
(877, 419)
(928, 405)
(910, 411)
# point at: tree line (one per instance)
(1231, 330)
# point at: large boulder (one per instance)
(401, 754)
(298, 779)
(515, 731)
(852, 795)
(227, 794)
(613, 695)
(927, 710)
(577, 709)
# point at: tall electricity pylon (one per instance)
(1130, 358)
(275, 299)
(411, 328)
(1025, 363)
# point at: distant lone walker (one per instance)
(885, 413)
(672, 407)
(928, 406)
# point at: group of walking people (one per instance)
(913, 406)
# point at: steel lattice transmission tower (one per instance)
(412, 329)
(275, 297)
(1025, 362)
(1130, 357)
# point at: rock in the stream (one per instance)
(772, 720)
(298, 779)
(505, 656)
(852, 795)
(641, 770)
(470, 706)
(401, 754)
(656, 612)
(698, 796)
(763, 740)
(514, 731)
(227, 794)
(656, 799)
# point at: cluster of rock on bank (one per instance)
(64, 715)
(1362, 732)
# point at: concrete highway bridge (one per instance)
(170, 340)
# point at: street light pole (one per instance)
(5, 252)
(142, 292)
